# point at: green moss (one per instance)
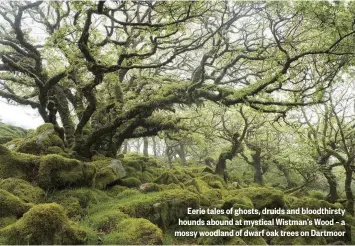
(162, 208)
(130, 182)
(22, 189)
(200, 185)
(145, 177)
(105, 221)
(18, 165)
(167, 178)
(38, 142)
(262, 197)
(8, 220)
(43, 224)
(216, 184)
(12, 205)
(115, 190)
(76, 201)
(108, 172)
(128, 193)
(317, 194)
(135, 232)
(150, 187)
(213, 195)
(58, 172)
(220, 241)
(240, 201)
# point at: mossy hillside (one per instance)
(23, 189)
(39, 141)
(56, 171)
(18, 165)
(43, 224)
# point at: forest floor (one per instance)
(48, 198)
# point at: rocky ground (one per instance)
(48, 198)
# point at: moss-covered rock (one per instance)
(162, 208)
(22, 189)
(167, 178)
(109, 171)
(200, 185)
(138, 162)
(76, 201)
(105, 221)
(135, 232)
(18, 165)
(150, 187)
(130, 182)
(38, 142)
(43, 224)
(7, 220)
(12, 205)
(261, 197)
(56, 171)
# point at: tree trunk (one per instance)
(258, 174)
(227, 155)
(286, 173)
(125, 147)
(182, 154)
(332, 182)
(348, 191)
(154, 147)
(145, 146)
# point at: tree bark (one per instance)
(145, 146)
(227, 155)
(348, 191)
(182, 154)
(154, 147)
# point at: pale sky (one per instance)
(22, 116)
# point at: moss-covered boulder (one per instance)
(167, 178)
(163, 208)
(106, 221)
(76, 201)
(135, 232)
(56, 171)
(18, 165)
(38, 142)
(150, 187)
(139, 162)
(200, 185)
(11, 205)
(109, 171)
(43, 224)
(22, 189)
(130, 182)
(262, 197)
